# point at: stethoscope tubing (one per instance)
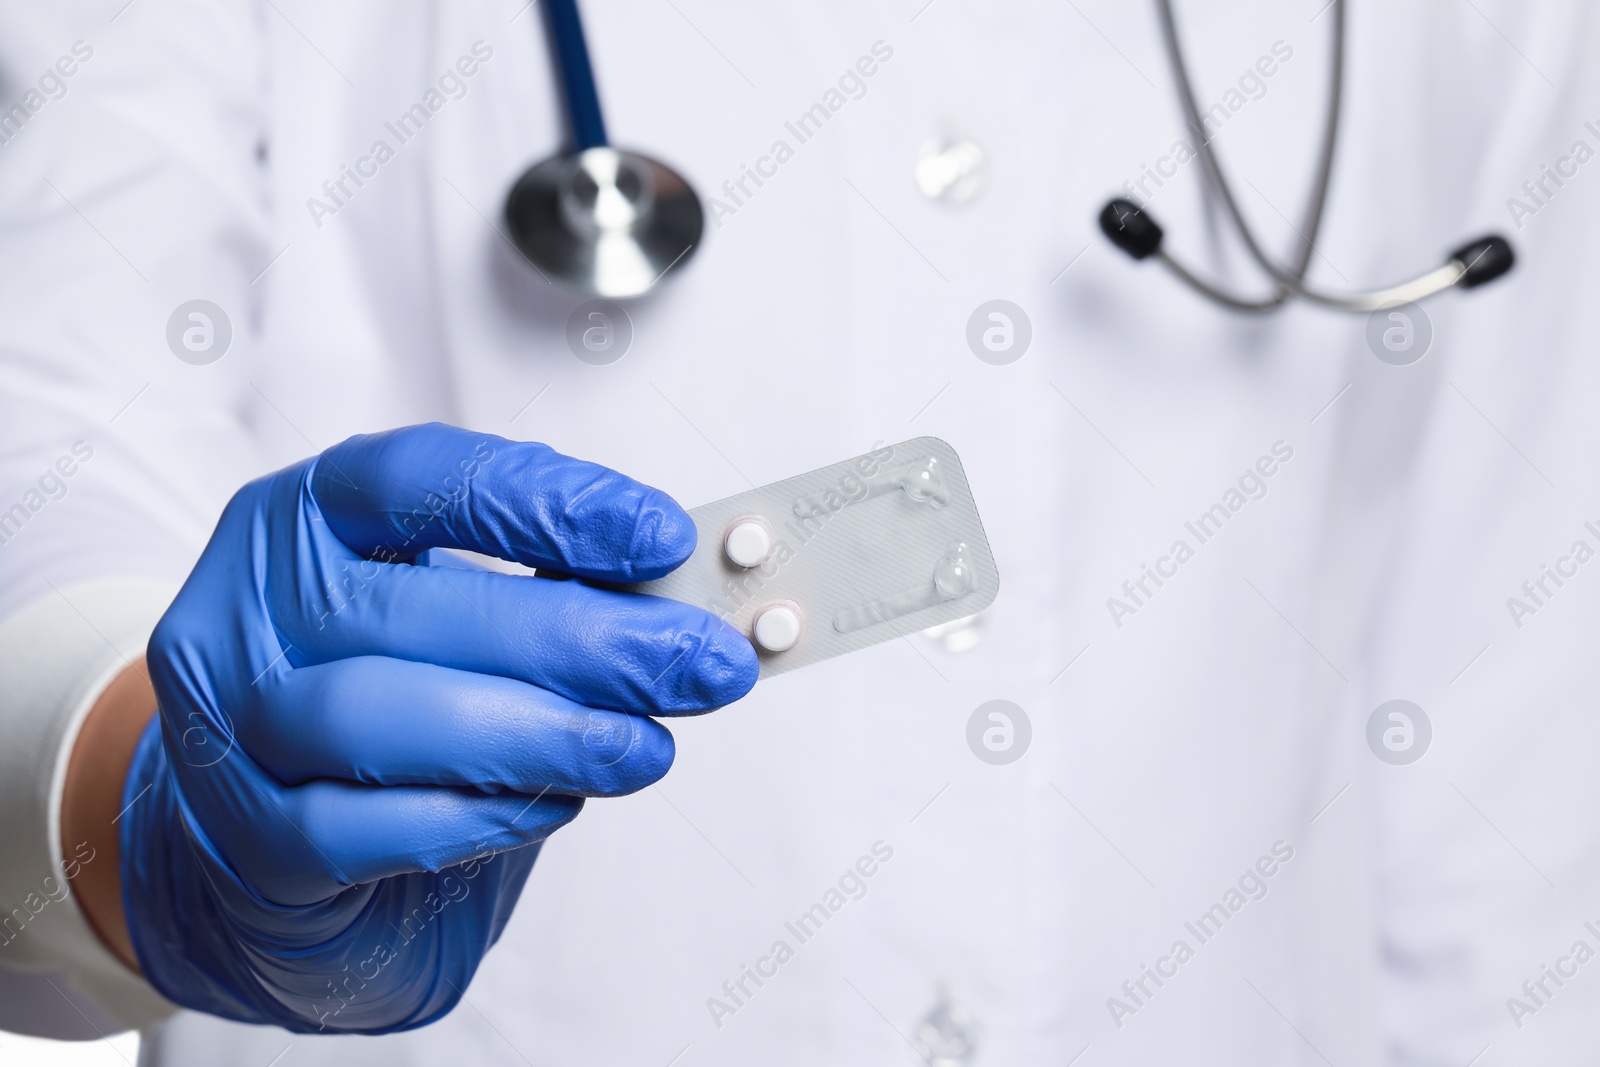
(1471, 265)
(1289, 281)
(1131, 229)
(587, 122)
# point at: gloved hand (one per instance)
(355, 758)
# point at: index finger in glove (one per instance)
(391, 495)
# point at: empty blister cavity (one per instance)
(921, 479)
(841, 558)
(952, 579)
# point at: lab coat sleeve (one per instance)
(132, 153)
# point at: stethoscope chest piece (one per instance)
(604, 221)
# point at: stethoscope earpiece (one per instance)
(1483, 260)
(594, 218)
(1130, 228)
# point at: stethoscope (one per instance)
(613, 223)
(595, 218)
(1131, 228)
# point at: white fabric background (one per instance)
(824, 315)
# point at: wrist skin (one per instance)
(91, 802)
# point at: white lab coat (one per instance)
(1172, 748)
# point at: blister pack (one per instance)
(856, 553)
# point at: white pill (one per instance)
(748, 543)
(777, 627)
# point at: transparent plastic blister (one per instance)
(856, 553)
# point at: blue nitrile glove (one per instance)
(332, 816)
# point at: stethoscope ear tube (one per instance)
(1131, 228)
(1135, 231)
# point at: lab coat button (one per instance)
(949, 1035)
(957, 635)
(950, 170)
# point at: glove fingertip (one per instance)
(664, 536)
(649, 759)
(729, 665)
